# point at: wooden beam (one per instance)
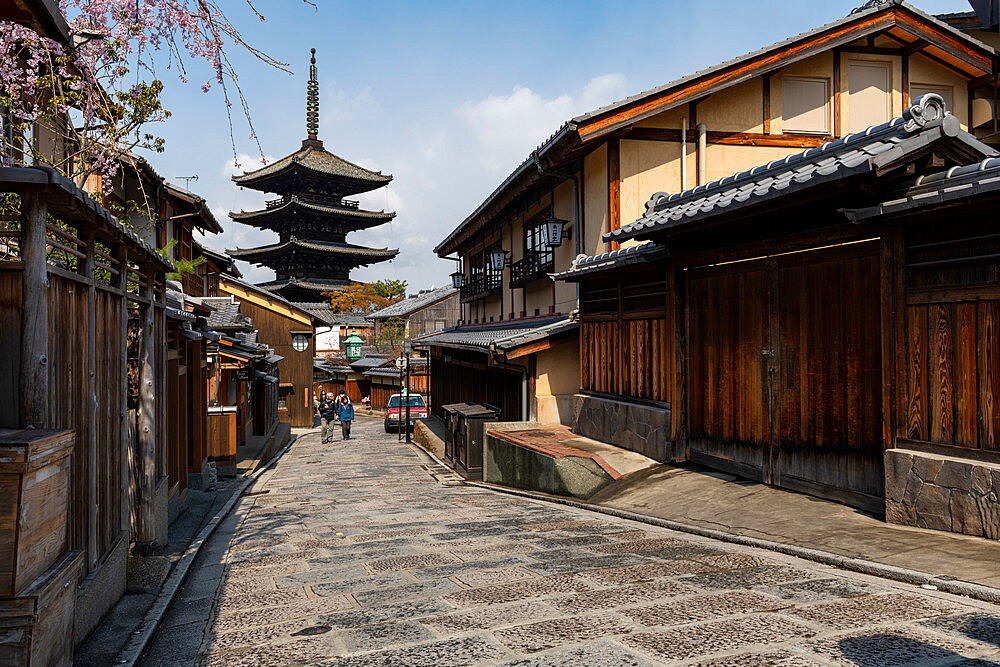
(836, 93)
(148, 384)
(944, 41)
(34, 370)
(127, 476)
(766, 103)
(905, 75)
(614, 189)
(726, 138)
(915, 46)
(981, 82)
(90, 439)
(947, 65)
(873, 50)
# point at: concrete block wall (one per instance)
(942, 493)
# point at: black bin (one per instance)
(469, 437)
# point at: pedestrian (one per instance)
(317, 399)
(327, 416)
(345, 411)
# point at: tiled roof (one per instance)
(926, 121)
(482, 336)
(300, 203)
(319, 309)
(635, 254)
(318, 160)
(74, 202)
(226, 315)
(385, 371)
(371, 362)
(317, 285)
(351, 320)
(524, 337)
(935, 189)
(413, 304)
(326, 247)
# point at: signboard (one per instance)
(407, 346)
(243, 374)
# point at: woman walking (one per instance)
(345, 411)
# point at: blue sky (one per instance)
(448, 97)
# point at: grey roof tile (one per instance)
(413, 303)
(481, 336)
(925, 121)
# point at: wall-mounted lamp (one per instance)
(554, 230)
(496, 258)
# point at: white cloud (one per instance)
(507, 127)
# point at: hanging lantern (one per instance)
(552, 231)
(496, 258)
(353, 344)
(457, 279)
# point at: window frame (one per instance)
(827, 112)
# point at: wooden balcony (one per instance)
(482, 286)
(534, 266)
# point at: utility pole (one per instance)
(407, 349)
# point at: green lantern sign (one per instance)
(353, 344)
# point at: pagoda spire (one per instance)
(312, 106)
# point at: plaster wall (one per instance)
(557, 373)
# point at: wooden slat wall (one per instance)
(471, 381)
(953, 373)
(629, 358)
(69, 404)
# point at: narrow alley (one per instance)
(366, 552)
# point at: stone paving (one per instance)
(367, 553)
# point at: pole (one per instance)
(407, 348)
(34, 369)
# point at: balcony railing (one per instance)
(481, 286)
(316, 199)
(534, 266)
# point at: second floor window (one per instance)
(534, 243)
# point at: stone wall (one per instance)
(639, 428)
(942, 493)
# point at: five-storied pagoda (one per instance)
(311, 217)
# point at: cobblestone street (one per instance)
(366, 553)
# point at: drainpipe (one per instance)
(702, 146)
(577, 220)
(495, 358)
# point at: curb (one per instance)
(140, 639)
(953, 586)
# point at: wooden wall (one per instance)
(626, 335)
(465, 378)
(274, 329)
(69, 405)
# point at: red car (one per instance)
(395, 411)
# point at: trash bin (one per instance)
(469, 437)
(450, 424)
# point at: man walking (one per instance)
(327, 416)
(345, 411)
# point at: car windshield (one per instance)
(415, 402)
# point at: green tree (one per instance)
(390, 288)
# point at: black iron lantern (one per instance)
(552, 231)
(496, 258)
(457, 279)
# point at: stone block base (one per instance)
(942, 493)
(100, 591)
(640, 428)
(510, 464)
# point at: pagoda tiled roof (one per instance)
(295, 202)
(330, 248)
(317, 285)
(312, 157)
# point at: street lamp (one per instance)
(353, 344)
(496, 258)
(457, 279)
(552, 231)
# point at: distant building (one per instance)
(312, 218)
(425, 312)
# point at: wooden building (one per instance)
(289, 332)
(82, 323)
(795, 322)
(424, 312)
(600, 168)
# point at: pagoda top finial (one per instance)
(312, 105)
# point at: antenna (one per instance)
(187, 180)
